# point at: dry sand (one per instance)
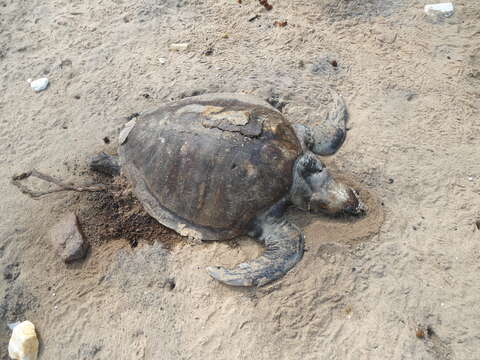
(364, 289)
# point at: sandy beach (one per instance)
(401, 283)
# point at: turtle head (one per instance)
(334, 197)
(316, 190)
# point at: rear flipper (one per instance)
(105, 164)
(283, 249)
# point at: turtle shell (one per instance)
(206, 166)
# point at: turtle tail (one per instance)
(329, 135)
(283, 243)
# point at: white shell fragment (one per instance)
(179, 47)
(23, 344)
(39, 84)
(126, 130)
(445, 9)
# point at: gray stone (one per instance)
(67, 239)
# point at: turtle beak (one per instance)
(354, 206)
(337, 198)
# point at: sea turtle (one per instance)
(217, 166)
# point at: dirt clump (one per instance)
(117, 214)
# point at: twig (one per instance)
(63, 186)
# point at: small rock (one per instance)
(39, 84)
(278, 23)
(179, 47)
(162, 61)
(266, 5)
(420, 333)
(170, 283)
(208, 52)
(444, 9)
(67, 239)
(23, 343)
(105, 164)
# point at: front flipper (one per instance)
(283, 249)
(326, 137)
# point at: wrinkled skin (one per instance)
(314, 189)
(333, 197)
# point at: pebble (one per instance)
(179, 47)
(445, 9)
(39, 84)
(23, 343)
(387, 38)
(68, 240)
(208, 51)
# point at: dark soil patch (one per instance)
(117, 214)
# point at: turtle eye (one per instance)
(311, 165)
(314, 166)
